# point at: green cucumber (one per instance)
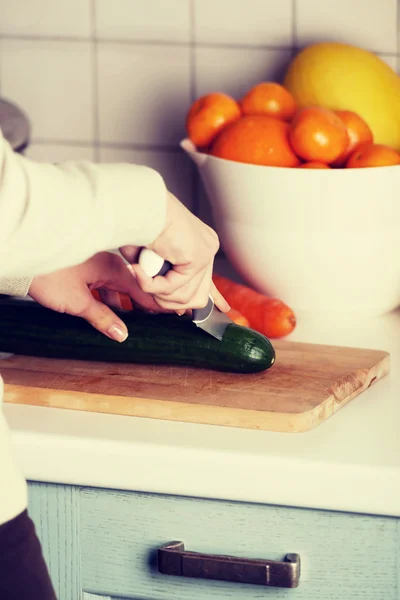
(30, 329)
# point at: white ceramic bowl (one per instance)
(321, 240)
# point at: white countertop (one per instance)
(351, 462)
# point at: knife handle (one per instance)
(152, 263)
(155, 266)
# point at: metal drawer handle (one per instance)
(174, 560)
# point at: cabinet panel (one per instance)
(55, 512)
(343, 555)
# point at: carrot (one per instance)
(126, 302)
(267, 315)
(238, 318)
(96, 295)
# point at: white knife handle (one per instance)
(153, 265)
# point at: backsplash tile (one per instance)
(235, 70)
(143, 93)
(51, 18)
(205, 212)
(56, 153)
(252, 22)
(145, 20)
(52, 82)
(173, 166)
(371, 24)
(391, 60)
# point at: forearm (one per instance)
(54, 216)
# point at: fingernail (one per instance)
(117, 333)
(131, 270)
(180, 313)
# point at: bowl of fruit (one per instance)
(303, 179)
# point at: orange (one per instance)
(314, 165)
(271, 99)
(358, 133)
(208, 115)
(373, 155)
(317, 134)
(257, 140)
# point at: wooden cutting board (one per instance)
(307, 384)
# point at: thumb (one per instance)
(102, 318)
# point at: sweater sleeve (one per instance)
(55, 216)
(15, 287)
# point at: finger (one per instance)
(139, 298)
(103, 319)
(196, 297)
(219, 300)
(122, 301)
(110, 297)
(117, 277)
(130, 253)
(193, 296)
(148, 304)
(165, 285)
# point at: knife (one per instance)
(209, 318)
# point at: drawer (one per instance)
(343, 556)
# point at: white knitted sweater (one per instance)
(55, 216)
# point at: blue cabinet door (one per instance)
(102, 544)
(55, 512)
(343, 556)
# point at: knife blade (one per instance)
(210, 319)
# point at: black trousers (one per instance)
(23, 571)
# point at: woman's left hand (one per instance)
(69, 291)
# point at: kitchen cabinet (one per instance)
(102, 544)
(222, 491)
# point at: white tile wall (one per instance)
(249, 22)
(173, 166)
(49, 18)
(144, 20)
(235, 70)
(391, 60)
(368, 23)
(143, 93)
(55, 153)
(53, 82)
(111, 80)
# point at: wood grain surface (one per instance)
(307, 384)
(105, 543)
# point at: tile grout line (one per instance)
(96, 123)
(377, 52)
(176, 44)
(192, 25)
(398, 37)
(193, 92)
(132, 42)
(294, 26)
(1, 64)
(171, 149)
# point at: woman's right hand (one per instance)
(190, 246)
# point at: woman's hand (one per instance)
(190, 245)
(69, 291)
